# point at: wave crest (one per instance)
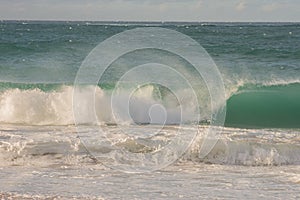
(35, 106)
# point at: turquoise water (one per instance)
(265, 106)
(45, 154)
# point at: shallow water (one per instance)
(51, 162)
(186, 180)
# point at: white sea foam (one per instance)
(36, 107)
(55, 107)
(49, 145)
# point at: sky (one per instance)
(152, 10)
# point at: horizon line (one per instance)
(146, 21)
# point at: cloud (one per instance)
(270, 7)
(240, 6)
(199, 4)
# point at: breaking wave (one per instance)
(250, 106)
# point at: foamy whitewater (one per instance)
(48, 152)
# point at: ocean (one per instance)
(78, 123)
